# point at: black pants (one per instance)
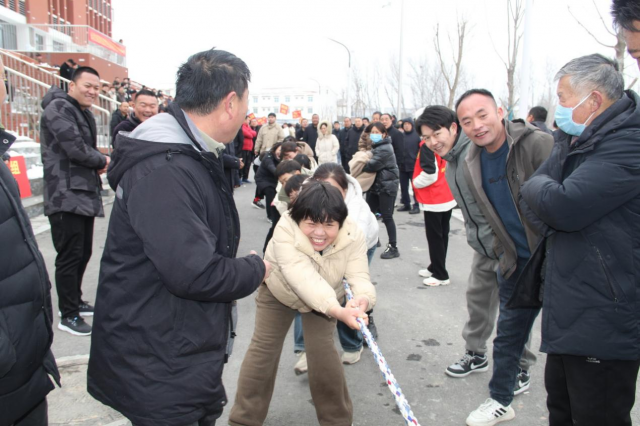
(590, 392)
(345, 157)
(269, 195)
(38, 416)
(259, 194)
(275, 217)
(405, 181)
(247, 158)
(437, 227)
(72, 236)
(383, 203)
(208, 420)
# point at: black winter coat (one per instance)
(397, 140)
(116, 118)
(411, 147)
(25, 307)
(588, 197)
(231, 164)
(342, 139)
(311, 136)
(353, 138)
(168, 278)
(70, 157)
(266, 175)
(383, 164)
(128, 125)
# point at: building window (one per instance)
(309, 110)
(255, 99)
(255, 110)
(287, 98)
(266, 98)
(39, 42)
(12, 5)
(310, 99)
(276, 99)
(57, 46)
(23, 9)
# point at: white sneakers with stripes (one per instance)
(490, 413)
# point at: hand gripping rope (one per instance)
(401, 401)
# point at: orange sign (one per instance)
(284, 109)
(102, 40)
(19, 171)
(296, 114)
(262, 121)
(252, 116)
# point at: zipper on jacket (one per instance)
(604, 268)
(455, 180)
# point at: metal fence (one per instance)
(22, 110)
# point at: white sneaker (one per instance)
(301, 365)
(424, 273)
(434, 282)
(350, 358)
(490, 413)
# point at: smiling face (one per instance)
(321, 235)
(145, 107)
(481, 120)
(439, 141)
(85, 89)
(323, 128)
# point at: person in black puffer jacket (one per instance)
(266, 179)
(411, 148)
(384, 190)
(26, 360)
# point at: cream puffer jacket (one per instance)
(306, 280)
(327, 146)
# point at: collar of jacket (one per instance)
(345, 237)
(384, 141)
(177, 113)
(6, 140)
(357, 129)
(135, 120)
(517, 130)
(462, 140)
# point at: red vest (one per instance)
(438, 192)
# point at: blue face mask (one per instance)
(564, 119)
(375, 137)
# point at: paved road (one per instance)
(419, 336)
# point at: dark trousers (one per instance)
(590, 392)
(38, 416)
(72, 236)
(436, 225)
(259, 194)
(247, 158)
(275, 217)
(405, 181)
(208, 420)
(345, 161)
(384, 203)
(269, 195)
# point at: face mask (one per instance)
(564, 119)
(375, 137)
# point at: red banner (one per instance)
(19, 171)
(297, 114)
(252, 116)
(262, 121)
(102, 40)
(284, 109)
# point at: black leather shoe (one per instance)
(404, 209)
(415, 210)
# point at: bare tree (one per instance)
(619, 46)
(451, 74)
(391, 88)
(515, 19)
(426, 83)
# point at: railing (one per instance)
(32, 70)
(22, 111)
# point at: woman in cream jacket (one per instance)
(327, 145)
(313, 247)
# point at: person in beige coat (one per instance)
(327, 145)
(314, 246)
(268, 136)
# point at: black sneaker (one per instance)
(470, 363)
(257, 204)
(390, 252)
(523, 382)
(86, 310)
(415, 210)
(404, 209)
(378, 244)
(75, 326)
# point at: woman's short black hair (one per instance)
(294, 184)
(288, 146)
(275, 147)
(303, 159)
(287, 166)
(378, 125)
(332, 171)
(319, 202)
(289, 139)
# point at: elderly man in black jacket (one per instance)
(72, 200)
(586, 197)
(26, 361)
(169, 276)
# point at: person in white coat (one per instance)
(327, 145)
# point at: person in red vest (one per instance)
(436, 201)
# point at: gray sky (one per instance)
(284, 42)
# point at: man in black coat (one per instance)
(342, 139)
(411, 148)
(118, 116)
(311, 133)
(26, 361)
(66, 71)
(169, 276)
(397, 139)
(72, 186)
(586, 197)
(145, 106)
(353, 137)
(538, 117)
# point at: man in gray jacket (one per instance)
(72, 169)
(441, 132)
(504, 154)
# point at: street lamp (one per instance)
(348, 113)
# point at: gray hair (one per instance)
(594, 72)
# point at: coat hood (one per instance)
(413, 125)
(329, 128)
(54, 93)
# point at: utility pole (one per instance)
(401, 60)
(348, 109)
